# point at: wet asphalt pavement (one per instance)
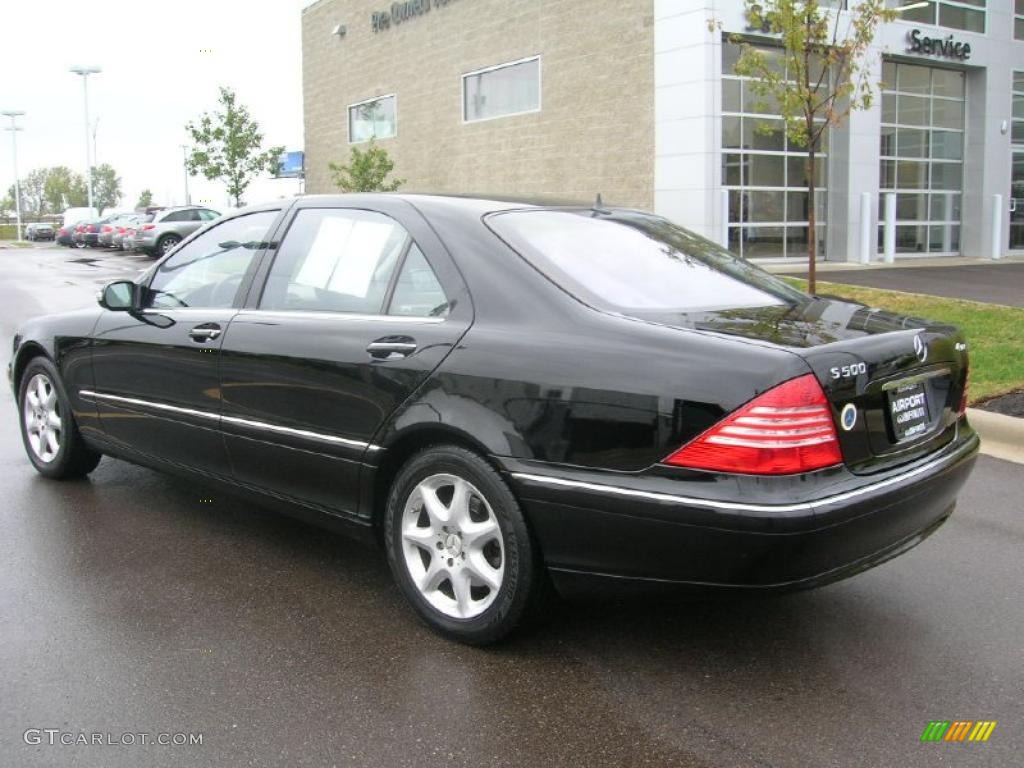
(999, 282)
(134, 602)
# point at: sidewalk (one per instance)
(995, 282)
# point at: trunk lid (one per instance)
(894, 382)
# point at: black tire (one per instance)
(524, 581)
(78, 244)
(73, 458)
(165, 243)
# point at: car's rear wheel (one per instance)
(48, 427)
(459, 546)
(166, 243)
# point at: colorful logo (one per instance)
(958, 730)
(848, 416)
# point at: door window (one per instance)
(335, 260)
(208, 271)
(417, 290)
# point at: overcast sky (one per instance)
(156, 77)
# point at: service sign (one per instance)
(946, 47)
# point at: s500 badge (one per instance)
(847, 371)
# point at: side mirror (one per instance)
(118, 296)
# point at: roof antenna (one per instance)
(599, 205)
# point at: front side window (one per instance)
(208, 271)
(335, 260)
(508, 89)
(637, 262)
(373, 119)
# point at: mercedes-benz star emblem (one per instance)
(920, 348)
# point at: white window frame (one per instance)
(540, 89)
(348, 118)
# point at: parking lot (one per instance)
(136, 602)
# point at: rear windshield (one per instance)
(633, 261)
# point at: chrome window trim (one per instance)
(312, 314)
(88, 393)
(733, 506)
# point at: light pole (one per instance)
(188, 197)
(14, 115)
(85, 72)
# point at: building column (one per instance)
(987, 158)
(687, 116)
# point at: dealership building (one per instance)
(637, 100)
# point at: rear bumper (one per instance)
(611, 535)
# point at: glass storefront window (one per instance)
(1017, 139)
(922, 141)
(968, 15)
(765, 173)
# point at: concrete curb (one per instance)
(1001, 436)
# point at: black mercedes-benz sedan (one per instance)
(512, 397)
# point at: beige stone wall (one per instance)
(595, 130)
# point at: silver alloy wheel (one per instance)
(43, 423)
(453, 547)
(167, 243)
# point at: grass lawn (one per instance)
(995, 333)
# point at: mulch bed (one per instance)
(1011, 404)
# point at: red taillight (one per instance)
(91, 228)
(146, 227)
(786, 430)
(107, 228)
(79, 228)
(120, 230)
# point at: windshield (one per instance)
(633, 261)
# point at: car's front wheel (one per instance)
(459, 546)
(48, 429)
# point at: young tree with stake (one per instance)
(823, 75)
(227, 145)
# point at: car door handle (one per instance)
(205, 332)
(391, 347)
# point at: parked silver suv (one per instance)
(161, 230)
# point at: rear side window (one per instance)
(335, 260)
(633, 261)
(417, 290)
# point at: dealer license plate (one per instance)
(908, 411)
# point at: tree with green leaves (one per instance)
(145, 199)
(106, 187)
(33, 196)
(367, 171)
(227, 146)
(821, 75)
(63, 188)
